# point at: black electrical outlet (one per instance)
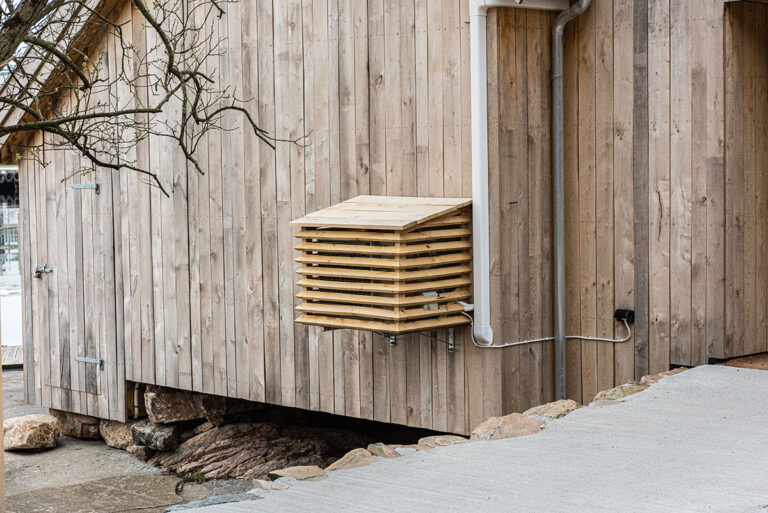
(624, 315)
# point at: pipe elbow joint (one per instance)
(483, 334)
(478, 7)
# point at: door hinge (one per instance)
(85, 359)
(93, 186)
(40, 271)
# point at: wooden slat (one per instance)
(383, 300)
(382, 236)
(385, 250)
(449, 258)
(358, 274)
(383, 327)
(344, 310)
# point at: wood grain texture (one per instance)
(665, 212)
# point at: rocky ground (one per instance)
(81, 476)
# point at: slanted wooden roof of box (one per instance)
(382, 212)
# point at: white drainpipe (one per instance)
(478, 10)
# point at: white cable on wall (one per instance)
(549, 339)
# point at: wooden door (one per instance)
(73, 287)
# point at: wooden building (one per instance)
(666, 115)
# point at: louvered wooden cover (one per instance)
(386, 264)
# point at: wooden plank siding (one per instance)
(665, 209)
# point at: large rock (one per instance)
(300, 473)
(76, 425)
(159, 437)
(165, 405)
(554, 410)
(353, 459)
(117, 434)
(621, 391)
(30, 432)
(655, 378)
(252, 450)
(509, 426)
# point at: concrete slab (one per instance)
(694, 442)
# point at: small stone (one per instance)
(383, 450)
(353, 459)
(300, 473)
(509, 426)
(76, 425)
(650, 379)
(274, 486)
(30, 432)
(442, 440)
(142, 452)
(554, 410)
(160, 437)
(116, 434)
(621, 391)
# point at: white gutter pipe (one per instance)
(478, 11)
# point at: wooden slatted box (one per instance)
(386, 264)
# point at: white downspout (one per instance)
(478, 11)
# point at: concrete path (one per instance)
(694, 442)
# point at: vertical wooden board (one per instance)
(511, 148)
(572, 261)
(362, 166)
(48, 174)
(35, 312)
(698, 35)
(623, 206)
(451, 97)
(716, 201)
(297, 130)
(587, 236)
(75, 285)
(253, 334)
(546, 282)
(129, 195)
(761, 122)
(604, 190)
(350, 370)
(270, 260)
(750, 191)
(377, 96)
(491, 362)
(61, 234)
(144, 206)
(641, 187)
(242, 266)
(229, 76)
(680, 188)
(734, 176)
(26, 267)
(157, 210)
(658, 177)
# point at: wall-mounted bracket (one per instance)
(450, 341)
(85, 359)
(93, 186)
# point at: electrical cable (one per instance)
(547, 339)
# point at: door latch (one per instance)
(40, 271)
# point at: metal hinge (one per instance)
(93, 186)
(40, 271)
(85, 359)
